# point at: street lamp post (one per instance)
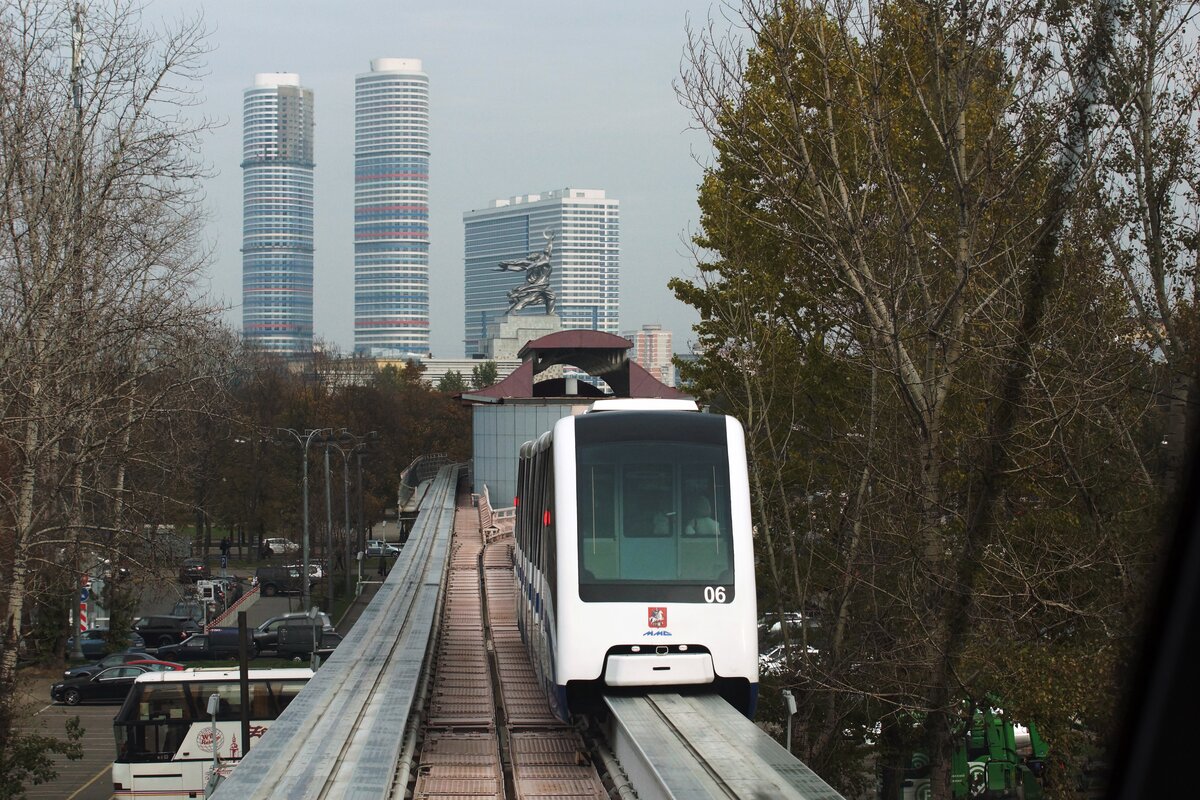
(329, 519)
(305, 439)
(360, 444)
(345, 502)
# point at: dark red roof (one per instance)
(576, 340)
(602, 355)
(519, 383)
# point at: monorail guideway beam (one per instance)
(698, 747)
(341, 736)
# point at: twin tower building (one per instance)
(391, 225)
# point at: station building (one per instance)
(537, 394)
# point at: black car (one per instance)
(110, 684)
(114, 660)
(164, 630)
(266, 635)
(193, 569)
(217, 644)
(278, 580)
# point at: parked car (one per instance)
(159, 631)
(266, 635)
(154, 665)
(378, 547)
(316, 571)
(193, 569)
(110, 684)
(280, 546)
(296, 640)
(278, 580)
(94, 643)
(189, 608)
(115, 660)
(215, 645)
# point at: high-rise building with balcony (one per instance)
(391, 208)
(585, 258)
(277, 214)
(652, 349)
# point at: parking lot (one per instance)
(90, 778)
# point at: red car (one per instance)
(154, 665)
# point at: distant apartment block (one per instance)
(391, 209)
(652, 350)
(585, 258)
(277, 214)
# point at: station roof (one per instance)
(601, 355)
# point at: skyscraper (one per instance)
(652, 349)
(585, 258)
(277, 214)
(391, 208)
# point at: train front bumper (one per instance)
(659, 670)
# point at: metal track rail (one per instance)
(341, 736)
(700, 747)
(489, 731)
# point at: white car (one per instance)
(280, 546)
(378, 547)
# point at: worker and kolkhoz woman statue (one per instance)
(536, 288)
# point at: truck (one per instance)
(995, 759)
(296, 637)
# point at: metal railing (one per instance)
(422, 468)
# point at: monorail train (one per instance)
(633, 554)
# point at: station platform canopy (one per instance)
(601, 355)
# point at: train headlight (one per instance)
(636, 648)
(683, 648)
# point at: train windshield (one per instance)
(654, 519)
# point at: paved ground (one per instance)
(91, 777)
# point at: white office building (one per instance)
(585, 259)
(391, 208)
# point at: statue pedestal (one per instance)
(506, 336)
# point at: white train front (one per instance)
(633, 555)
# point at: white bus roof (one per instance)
(647, 404)
(220, 674)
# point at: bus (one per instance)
(165, 735)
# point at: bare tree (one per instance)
(1149, 194)
(101, 328)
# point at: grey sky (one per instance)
(524, 97)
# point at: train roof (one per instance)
(643, 404)
(220, 674)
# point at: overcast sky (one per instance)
(524, 97)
